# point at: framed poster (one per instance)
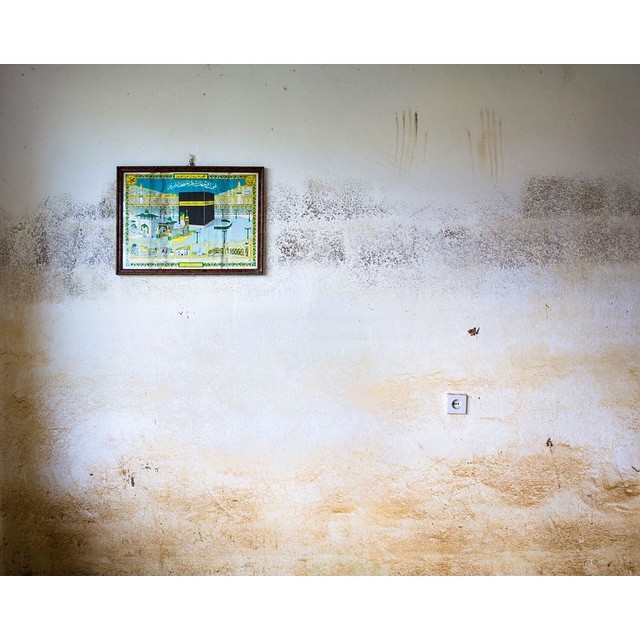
(189, 220)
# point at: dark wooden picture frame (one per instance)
(190, 220)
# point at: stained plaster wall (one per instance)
(294, 423)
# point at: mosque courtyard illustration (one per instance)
(190, 223)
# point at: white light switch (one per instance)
(456, 403)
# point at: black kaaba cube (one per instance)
(198, 205)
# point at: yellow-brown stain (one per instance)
(491, 514)
(337, 503)
(621, 494)
(348, 510)
(397, 397)
(529, 480)
(614, 370)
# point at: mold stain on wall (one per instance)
(559, 221)
(294, 424)
(165, 507)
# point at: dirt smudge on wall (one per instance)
(408, 138)
(27, 444)
(169, 521)
(488, 147)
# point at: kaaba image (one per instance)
(198, 205)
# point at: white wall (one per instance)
(294, 422)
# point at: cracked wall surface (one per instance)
(294, 423)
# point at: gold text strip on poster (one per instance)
(196, 203)
(190, 265)
(190, 176)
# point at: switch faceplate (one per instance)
(456, 403)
